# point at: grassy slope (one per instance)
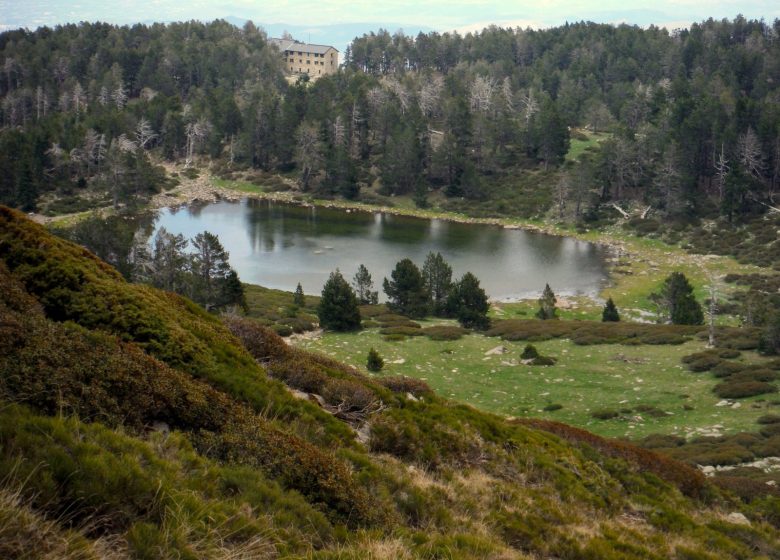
(436, 480)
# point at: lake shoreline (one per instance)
(635, 266)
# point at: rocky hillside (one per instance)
(135, 425)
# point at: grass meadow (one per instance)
(647, 386)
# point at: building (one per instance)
(303, 58)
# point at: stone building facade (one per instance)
(305, 58)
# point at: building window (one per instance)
(308, 62)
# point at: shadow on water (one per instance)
(278, 245)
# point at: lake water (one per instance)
(278, 245)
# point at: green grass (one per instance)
(585, 379)
(578, 146)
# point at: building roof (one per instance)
(297, 46)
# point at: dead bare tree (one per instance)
(308, 153)
(144, 133)
(79, 99)
(721, 172)
(749, 153)
(119, 95)
(429, 96)
(481, 94)
(401, 93)
(196, 133)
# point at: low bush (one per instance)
(704, 363)
(403, 384)
(725, 369)
(769, 419)
(402, 330)
(688, 480)
(605, 414)
(263, 343)
(394, 338)
(543, 361)
(757, 374)
(529, 352)
(553, 407)
(591, 332)
(444, 332)
(745, 488)
(347, 394)
(741, 390)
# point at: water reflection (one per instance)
(278, 245)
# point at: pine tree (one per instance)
(298, 296)
(677, 302)
(232, 292)
(210, 268)
(363, 284)
(406, 290)
(338, 309)
(437, 275)
(547, 303)
(468, 302)
(610, 313)
(374, 361)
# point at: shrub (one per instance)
(690, 481)
(553, 407)
(444, 332)
(740, 390)
(404, 331)
(263, 343)
(769, 419)
(529, 352)
(605, 414)
(745, 488)
(374, 362)
(394, 337)
(725, 369)
(282, 330)
(704, 363)
(403, 384)
(543, 361)
(757, 374)
(348, 394)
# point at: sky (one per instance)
(336, 19)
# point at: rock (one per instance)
(707, 470)
(411, 397)
(161, 427)
(498, 350)
(737, 518)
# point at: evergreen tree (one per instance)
(169, 264)
(338, 309)
(210, 269)
(610, 313)
(298, 296)
(374, 361)
(676, 301)
(232, 292)
(547, 303)
(406, 291)
(363, 284)
(437, 276)
(770, 339)
(468, 302)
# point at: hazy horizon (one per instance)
(338, 21)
